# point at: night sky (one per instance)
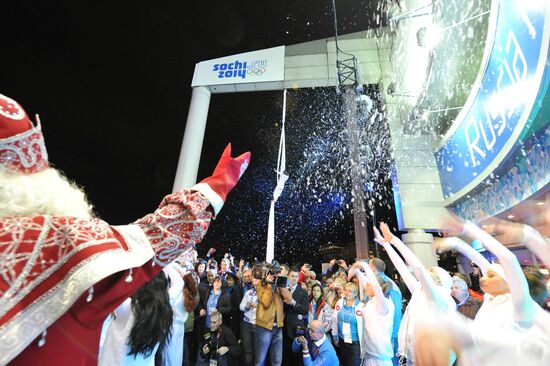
(111, 82)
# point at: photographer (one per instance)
(269, 318)
(219, 344)
(295, 308)
(318, 351)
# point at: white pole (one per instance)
(190, 153)
(281, 180)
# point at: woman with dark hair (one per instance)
(200, 269)
(215, 299)
(140, 326)
(319, 309)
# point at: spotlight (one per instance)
(540, 203)
(510, 216)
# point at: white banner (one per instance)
(250, 67)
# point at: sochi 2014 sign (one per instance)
(251, 67)
(488, 127)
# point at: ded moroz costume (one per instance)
(63, 270)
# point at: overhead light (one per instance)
(540, 203)
(511, 216)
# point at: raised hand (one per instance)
(453, 225)
(377, 236)
(225, 177)
(354, 268)
(222, 350)
(443, 245)
(388, 236)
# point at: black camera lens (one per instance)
(300, 330)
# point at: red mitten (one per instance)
(226, 175)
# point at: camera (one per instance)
(212, 344)
(300, 330)
(282, 282)
(268, 269)
(271, 269)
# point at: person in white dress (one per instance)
(172, 354)
(510, 328)
(139, 326)
(430, 290)
(377, 317)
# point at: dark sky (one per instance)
(111, 82)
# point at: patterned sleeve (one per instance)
(179, 223)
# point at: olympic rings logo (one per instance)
(256, 71)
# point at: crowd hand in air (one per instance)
(355, 267)
(386, 233)
(286, 294)
(452, 224)
(377, 236)
(445, 244)
(222, 350)
(182, 271)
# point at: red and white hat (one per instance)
(22, 147)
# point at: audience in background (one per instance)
(466, 305)
(267, 313)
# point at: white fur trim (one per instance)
(215, 200)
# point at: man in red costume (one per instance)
(63, 270)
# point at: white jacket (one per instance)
(325, 316)
(358, 315)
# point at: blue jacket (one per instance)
(325, 355)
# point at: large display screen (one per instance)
(488, 127)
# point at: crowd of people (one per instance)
(76, 290)
(279, 314)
